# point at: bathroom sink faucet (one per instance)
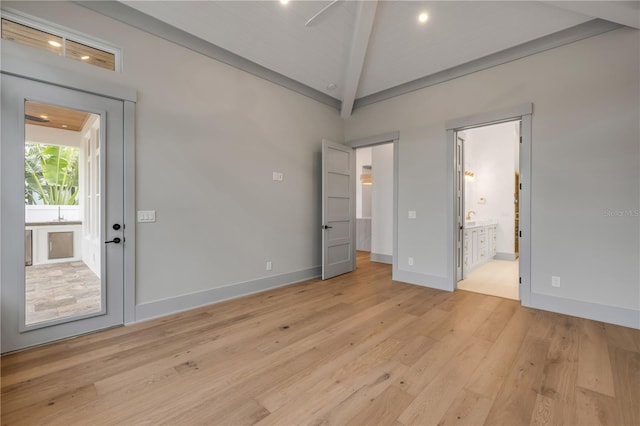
(469, 213)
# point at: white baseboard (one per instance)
(505, 256)
(588, 310)
(382, 258)
(160, 308)
(146, 311)
(424, 280)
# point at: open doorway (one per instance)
(374, 203)
(489, 182)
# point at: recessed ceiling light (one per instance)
(284, 1)
(54, 43)
(84, 58)
(423, 17)
(44, 117)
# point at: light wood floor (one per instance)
(358, 349)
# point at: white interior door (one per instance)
(338, 209)
(59, 285)
(459, 178)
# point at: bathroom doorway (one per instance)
(488, 183)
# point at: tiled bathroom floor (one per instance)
(496, 278)
(60, 290)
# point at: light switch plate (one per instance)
(146, 215)
(412, 214)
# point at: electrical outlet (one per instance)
(412, 214)
(278, 176)
(410, 261)
(555, 281)
(269, 265)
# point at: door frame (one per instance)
(55, 71)
(521, 112)
(383, 139)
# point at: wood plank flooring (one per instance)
(358, 349)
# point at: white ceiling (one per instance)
(366, 47)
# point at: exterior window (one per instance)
(60, 43)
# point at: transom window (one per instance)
(59, 41)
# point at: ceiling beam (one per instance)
(361, 33)
(621, 12)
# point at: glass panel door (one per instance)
(62, 212)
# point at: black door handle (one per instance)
(326, 227)
(116, 226)
(116, 240)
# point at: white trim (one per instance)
(46, 68)
(381, 258)
(129, 212)
(452, 215)
(490, 118)
(523, 113)
(64, 33)
(185, 302)
(424, 280)
(49, 74)
(557, 39)
(396, 186)
(394, 138)
(136, 19)
(374, 140)
(524, 211)
(505, 256)
(593, 311)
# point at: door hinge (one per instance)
(520, 280)
(521, 187)
(520, 234)
(520, 139)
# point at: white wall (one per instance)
(382, 201)
(51, 213)
(363, 192)
(585, 162)
(490, 152)
(208, 138)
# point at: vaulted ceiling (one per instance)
(355, 51)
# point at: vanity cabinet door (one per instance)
(492, 241)
(466, 249)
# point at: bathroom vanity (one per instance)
(479, 245)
